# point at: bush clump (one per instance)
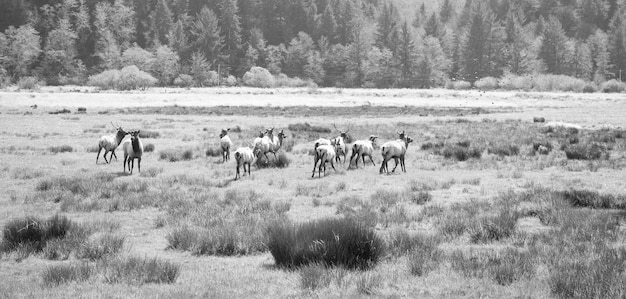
(57, 274)
(30, 83)
(129, 78)
(61, 149)
(332, 242)
(308, 128)
(176, 155)
(183, 80)
(504, 150)
(613, 86)
(149, 134)
(593, 151)
(137, 271)
(461, 153)
(281, 161)
(258, 77)
(33, 233)
(593, 199)
(486, 83)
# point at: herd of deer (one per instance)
(326, 150)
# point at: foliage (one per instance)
(613, 86)
(332, 242)
(129, 78)
(258, 77)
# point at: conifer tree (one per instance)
(387, 29)
(406, 55)
(206, 34)
(328, 26)
(553, 48)
(161, 19)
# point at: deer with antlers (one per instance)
(339, 142)
(110, 142)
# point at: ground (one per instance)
(191, 119)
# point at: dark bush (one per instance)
(213, 152)
(176, 155)
(58, 274)
(332, 242)
(60, 149)
(57, 227)
(307, 127)
(149, 134)
(281, 161)
(432, 146)
(539, 119)
(546, 144)
(593, 199)
(591, 151)
(461, 153)
(29, 231)
(589, 88)
(148, 148)
(135, 270)
(464, 143)
(504, 150)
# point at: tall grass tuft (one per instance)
(137, 271)
(107, 245)
(503, 267)
(61, 149)
(281, 161)
(176, 155)
(57, 274)
(332, 242)
(149, 134)
(28, 231)
(308, 128)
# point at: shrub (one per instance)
(461, 153)
(183, 80)
(176, 155)
(148, 148)
(132, 78)
(148, 134)
(593, 151)
(151, 172)
(314, 276)
(60, 149)
(401, 242)
(495, 228)
(504, 150)
(105, 80)
(503, 267)
(332, 242)
(258, 77)
(486, 83)
(592, 199)
(459, 85)
(31, 83)
(28, 231)
(281, 161)
(601, 277)
(57, 274)
(106, 245)
(308, 128)
(613, 86)
(182, 238)
(283, 81)
(513, 82)
(214, 152)
(137, 271)
(549, 82)
(589, 88)
(128, 78)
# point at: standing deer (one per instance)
(339, 142)
(225, 144)
(110, 142)
(324, 153)
(362, 148)
(396, 150)
(133, 149)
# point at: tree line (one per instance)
(347, 43)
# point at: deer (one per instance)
(243, 156)
(397, 150)
(324, 154)
(271, 143)
(362, 148)
(133, 149)
(225, 144)
(110, 142)
(341, 148)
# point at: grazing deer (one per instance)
(225, 144)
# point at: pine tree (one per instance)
(231, 32)
(482, 45)
(178, 40)
(386, 35)
(432, 27)
(446, 11)
(206, 33)
(161, 19)
(328, 26)
(420, 16)
(598, 45)
(553, 49)
(406, 55)
(617, 46)
(357, 55)
(59, 52)
(581, 62)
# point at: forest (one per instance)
(329, 43)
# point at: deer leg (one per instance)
(394, 167)
(139, 164)
(113, 154)
(98, 156)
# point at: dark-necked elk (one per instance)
(271, 143)
(395, 150)
(363, 148)
(133, 149)
(110, 142)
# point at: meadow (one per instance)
(492, 203)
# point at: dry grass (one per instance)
(510, 212)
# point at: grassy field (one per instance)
(491, 205)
